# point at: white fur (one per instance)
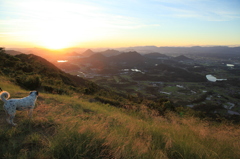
(21, 104)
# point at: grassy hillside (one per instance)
(34, 72)
(73, 127)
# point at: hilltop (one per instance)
(77, 127)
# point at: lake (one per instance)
(62, 60)
(213, 79)
(134, 70)
(230, 65)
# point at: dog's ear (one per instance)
(1, 89)
(35, 92)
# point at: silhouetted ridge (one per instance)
(128, 57)
(37, 61)
(13, 52)
(110, 52)
(182, 58)
(97, 56)
(88, 53)
(155, 55)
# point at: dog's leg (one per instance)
(8, 118)
(11, 119)
(7, 115)
(30, 111)
(11, 116)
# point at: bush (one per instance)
(162, 105)
(56, 89)
(31, 82)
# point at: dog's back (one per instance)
(19, 103)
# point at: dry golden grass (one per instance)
(72, 127)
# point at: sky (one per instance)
(56, 24)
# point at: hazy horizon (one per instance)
(79, 47)
(117, 24)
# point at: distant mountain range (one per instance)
(107, 53)
(127, 57)
(182, 50)
(160, 52)
(130, 59)
(152, 51)
(156, 55)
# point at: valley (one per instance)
(207, 83)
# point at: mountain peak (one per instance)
(130, 57)
(182, 57)
(97, 56)
(111, 52)
(88, 52)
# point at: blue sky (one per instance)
(115, 23)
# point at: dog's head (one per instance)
(34, 93)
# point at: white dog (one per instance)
(21, 104)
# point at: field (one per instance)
(181, 93)
(73, 127)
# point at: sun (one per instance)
(64, 24)
(56, 36)
(55, 42)
(60, 34)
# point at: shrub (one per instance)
(162, 105)
(31, 82)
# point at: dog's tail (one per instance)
(4, 96)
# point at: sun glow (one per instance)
(55, 38)
(61, 25)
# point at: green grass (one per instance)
(171, 89)
(72, 127)
(116, 79)
(126, 77)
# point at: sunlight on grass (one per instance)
(72, 127)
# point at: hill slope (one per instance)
(34, 72)
(72, 127)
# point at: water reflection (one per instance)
(62, 60)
